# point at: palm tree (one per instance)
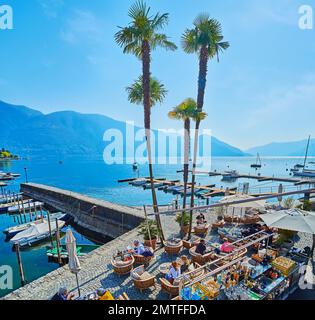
(206, 40)
(186, 111)
(140, 37)
(157, 92)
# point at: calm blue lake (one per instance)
(91, 176)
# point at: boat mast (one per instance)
(306, 153)
(258, 161)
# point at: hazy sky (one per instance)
(61, 55)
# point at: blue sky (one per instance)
(61, 55)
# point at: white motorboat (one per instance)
(35, 233)
(230, 175)
(12, 231)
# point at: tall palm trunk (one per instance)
(186, 158)
(202, 81)
(186, 165)
(147, 125)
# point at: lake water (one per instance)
(91, 176)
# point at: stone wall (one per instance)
(97, 216)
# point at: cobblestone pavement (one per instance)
(97, 270)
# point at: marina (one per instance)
(48, 196)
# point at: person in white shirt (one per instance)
(139, 247)
(174, 272)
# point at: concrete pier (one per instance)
(103, 218)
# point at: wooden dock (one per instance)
(176, 187)
(260, 178)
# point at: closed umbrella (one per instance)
(74, 263)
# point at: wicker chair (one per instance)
(173, 249)
(166, 286)
(123, 267)
(142, 280)
(198, 258)
(188, 244)
(218, 224)
(201, 229)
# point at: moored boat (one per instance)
(35, 234)
(12, 231)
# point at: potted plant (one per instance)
(149, 231)
(183, 219)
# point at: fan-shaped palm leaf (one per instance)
(157, 91)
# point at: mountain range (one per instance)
(26, 131)
(287, 149)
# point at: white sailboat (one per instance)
(308, 173)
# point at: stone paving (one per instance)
(97, 270)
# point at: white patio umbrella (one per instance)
(74, 263)
(293, 220)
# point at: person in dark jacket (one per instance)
(201, 247)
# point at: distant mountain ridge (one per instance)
(26, 131)
(293, 149)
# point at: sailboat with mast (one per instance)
(305, 172)
(258, 164)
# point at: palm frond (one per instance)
(189, 41)
(139, 10)
(161, 40)
(160, 21)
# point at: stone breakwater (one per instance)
(97, 216)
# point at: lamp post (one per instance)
(26, 179)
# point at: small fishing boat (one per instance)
(258, 164)
(12, 231)
(27, 206)
(231, 175)
(35, 234)
(82, 250)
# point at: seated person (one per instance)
(63, 295)
(201, 219)
(186, 265)
(201, 247)
(174, 272)
(141, 250)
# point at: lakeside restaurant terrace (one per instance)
(248, 256)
